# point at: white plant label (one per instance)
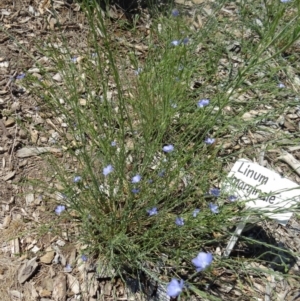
(263, 190)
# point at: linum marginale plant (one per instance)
(147, 142)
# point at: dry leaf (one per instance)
(48, 257)
(73, 284)
(59, 288)
(44, 5)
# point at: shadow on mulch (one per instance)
(257, 243)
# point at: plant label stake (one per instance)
(264, 192)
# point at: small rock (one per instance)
(27, 270)
(82, 101)
(35, 249)
(48, 257)
(57, 77)
(60, 243)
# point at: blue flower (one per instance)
(202, 261)
(162, 173)
(179, 221)
(175, 42)
(281, 85)
(74, 59)
(232, 198)
(203, 103)
(285, 1)
(213, 208)
(77, 179)
(68, 268)
(152, 211)
(59, 209)
(215, 192)
(135, 190)
(174, 288)
(20, 76)
(138, 71)
(175, 12)
(168, 148)
(195, 212)
(107, 170)
(113, 143)
(84, 257)
(185, 41)
(136, 179)
(209, 140)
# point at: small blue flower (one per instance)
(113, 143)
(136, 179)
(175, 287)
(209, 140)
(175, 12)
(68, 268)
(179, 221)
(107, 170)
(175, 42)
(74, 59)
(168, 148)
(59, 209)
(152, 211)
(202, 103)
(138, 71)
(162, 173)
(84, 257)
(232, 198)
(135, 190)
(215, 192)
(195, 212)
(20, 76)
(77, 179)
(180, 68)
(185, 41)
(285, 1)
(202, 261)
(281, 86)
(213, 208)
